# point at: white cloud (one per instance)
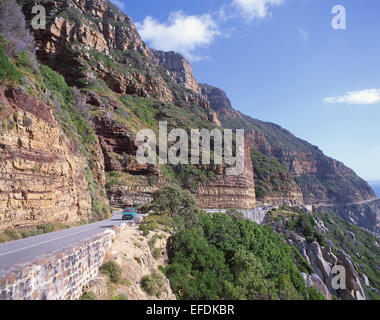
(303, 34)
(366, 96)
(181, 33)
(255, 9)
(119, 4)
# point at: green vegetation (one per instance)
(88, 296)
(120, 297)
(11, 234)
(156, 222)
(152, 284)
(172, 201)
(188, 176)
(23, 59)
(56, 83)
(306, 225)
(120, 178)
(73, 122)
(230, 258)
(270, 175)
(8, 71)
(363, 249)
(113, 270)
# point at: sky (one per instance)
(297, 63)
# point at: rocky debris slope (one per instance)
(138, 256)
(366, 214)
(42, 172)
(320, 247)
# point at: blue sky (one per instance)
(281, 61)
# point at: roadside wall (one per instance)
(57, 276)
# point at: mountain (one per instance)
(69, 116)
(125, 86)
(323, 181)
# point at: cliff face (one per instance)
(321, 179)
(97, 41)
(217, 97)
(100, 43)
(274, 184)
(106, 54)
(42, 173)
(177, 68)
(230, 192)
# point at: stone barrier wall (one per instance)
(58, 276)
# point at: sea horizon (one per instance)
(375, 185)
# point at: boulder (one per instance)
(315, 281)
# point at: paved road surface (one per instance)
(20, 251)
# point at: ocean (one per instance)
(376, 187)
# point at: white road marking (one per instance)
(43, 242)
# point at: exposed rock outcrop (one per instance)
(98, 41)
(42, 173)
(177, 68)
(230, 192)
(217, 97)
(366, 214)
(322, 260)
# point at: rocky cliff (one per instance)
(321, 179)
(177, 68)
(99, 42)
(229, 192)
(326, 241)
(42, 172)
(109, 62)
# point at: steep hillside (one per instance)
(321, 179)
(127, 87)
(49, 171)
(324, 182)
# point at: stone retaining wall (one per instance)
(57, 276)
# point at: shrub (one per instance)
(27, 122)
(113, 270)
(120, 297)
(56, 83)
(152, 284)
(88, 296)
(22, 59)
(230, 258)
(314, 294)
(13, 27)
(177, 203)
(7, 70)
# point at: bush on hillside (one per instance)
(7, 70)
(13, 27)
(177, 203)
(229, 258)
(152, 284)
(113, 270)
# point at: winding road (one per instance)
(20, 251)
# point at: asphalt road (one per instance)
(20, 251)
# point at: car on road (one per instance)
(129, 214)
